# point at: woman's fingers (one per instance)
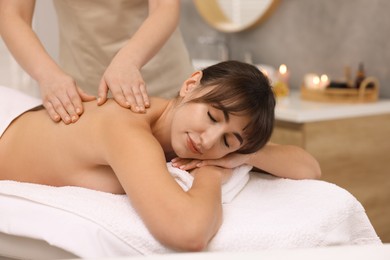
(185, 164)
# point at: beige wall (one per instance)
(320, 36)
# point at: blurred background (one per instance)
(307, 35)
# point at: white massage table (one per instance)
(260, 212)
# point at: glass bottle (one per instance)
(360, 75)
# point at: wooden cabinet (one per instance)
(354, 153)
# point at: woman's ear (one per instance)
(191, 83)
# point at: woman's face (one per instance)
(201, 131)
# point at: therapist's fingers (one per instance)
(51, 111)
(120, 97)
(73, 105)
(61, 98)
(144, 94)
(60, 107)
(56, 105)
(141, 96)
(134, 96)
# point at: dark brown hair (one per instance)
(241, 89)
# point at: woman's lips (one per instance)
(191, 146)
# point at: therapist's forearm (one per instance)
(153, 33)
(23, 43)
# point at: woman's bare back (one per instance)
(35, 149)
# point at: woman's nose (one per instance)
(210, 137)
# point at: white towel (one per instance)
(272, 212)
(12, 104)
(98, 207)
(268, 213)
(230, 189)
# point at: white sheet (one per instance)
(268, 213)
(12, 104)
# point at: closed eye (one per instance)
(214, 121)
(225, 141)
(211, 117)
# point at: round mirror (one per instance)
(234, 15)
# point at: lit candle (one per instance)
(268, 71)
(324, 81)
(280, 87)
(311, 81)
(316, 82)
(283, 74)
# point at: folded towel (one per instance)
(230, 189)
(13, 103)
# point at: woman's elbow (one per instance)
(316, 169)
(186, 240)
(191, 236)
(316, 173)
(313, 171)
(193, 244)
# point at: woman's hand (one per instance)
(126, 85)
(229, 161)
(62, 98)
(226, 173)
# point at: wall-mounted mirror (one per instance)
(234, 15)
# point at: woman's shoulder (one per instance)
(118, 131)
(112, 107)
(108, 115)
(112, 115)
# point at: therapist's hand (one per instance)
(62, 98)
(126, 85)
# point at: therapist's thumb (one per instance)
(85, 96)
(102, 93)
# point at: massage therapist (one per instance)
(129, 47)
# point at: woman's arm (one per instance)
(285, 161)
(60, 94)
(180, 220)
(123, 76)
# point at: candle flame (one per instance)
(283, 69)
(324, 78)
(316, 80)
